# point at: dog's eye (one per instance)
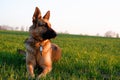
(46, 25)
(41, 23)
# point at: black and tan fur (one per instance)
(40, 35)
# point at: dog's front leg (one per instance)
(30, 70)
(30, 64)
(46, 70)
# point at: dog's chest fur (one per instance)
(36, 57)
(45, 56)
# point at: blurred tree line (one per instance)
(22, 28)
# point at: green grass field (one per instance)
(83, 57)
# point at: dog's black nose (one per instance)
(49, 34)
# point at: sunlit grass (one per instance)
(83, 57)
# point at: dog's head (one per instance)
(41, 28)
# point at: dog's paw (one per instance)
(32, 77)
(42, 75)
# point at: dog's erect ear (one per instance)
(47, 15)
(37, 14)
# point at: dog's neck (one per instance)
(36, 39)
(41, 43)
(37, 43)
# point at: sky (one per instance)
(73, 16)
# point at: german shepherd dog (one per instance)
(39, 49)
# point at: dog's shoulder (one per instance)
(55, 47)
